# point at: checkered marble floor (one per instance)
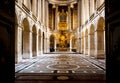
(61, 64)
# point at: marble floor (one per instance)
(49, 68)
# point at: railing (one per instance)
(101, 7)
(25, 8)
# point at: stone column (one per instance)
(104, 44)
(77, 45)
(99, 45)
(39, 10)
(43, 10)
(42, 42)
(70, 43)
(34, 43)
(91, 45)
(18, 44)
(48, 45)
(80, 40)
(86, 45)
(56, 18)
(69, 18)
(27, 51)
(92, 7)
(82, 12)
(55, 45)
(37, 50)
(82, 45)
(39, 43)
(34, 7)
(46, 15)
(53, 21)
(47, 8)
(45, 45)
(79, 25)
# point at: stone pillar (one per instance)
(42, 42)
(69, 18)
(104, 44)
(70, 43)
(43, 10)
(85, 10)
(77, 45)
(82, 45)
(46, 15)
(79, 25)
(92, 7)
(88, 11)
(34, 44)
(45, 45)
(56, 18)
(48, 45)
(39, 10)
(37, 50)
(53, 21)
(47, 8)
(91, 45)
(30, 44)
(55, 45)
(27, 44)
(99, 45)
(82, 12)
(39, 43)
(18, 44)
(34, 7)
(40, 50)
(86, 45)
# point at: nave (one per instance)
(61, 67)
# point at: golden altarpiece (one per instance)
(63, 35)
(61, 23)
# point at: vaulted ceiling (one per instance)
(62, 2)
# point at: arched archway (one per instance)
(39, 41)
(86, 41)
(100, 38)
(25, 39)
(34, 41)
(91, 44)
(52, 42)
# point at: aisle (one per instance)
(68, 66)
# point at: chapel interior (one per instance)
(58, 41)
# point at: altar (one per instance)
(62, 49)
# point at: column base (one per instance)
(100, 54)
(18, 58)
(91, 53)
(86, 52)
(27, 55)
